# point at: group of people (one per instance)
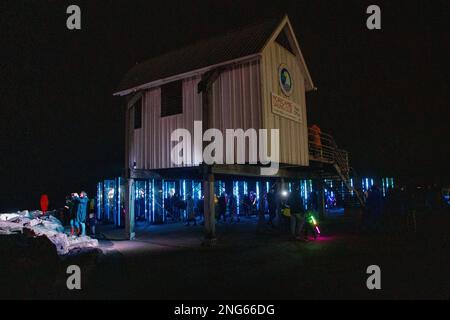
(249, 205)
(79, 210)
(271, 204)
(190, 211)
(299, 226)
(224, 203)
(395, 211)
(175, 206)
(374, 203)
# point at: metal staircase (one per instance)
(323, 149)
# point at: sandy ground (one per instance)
(251, 262)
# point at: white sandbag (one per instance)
(24, 213)
(82, 242)
(61, 243)
(48, 226)
(34, 222)
(7, 227)
(57, 238)
(9, 216)
(52, 223)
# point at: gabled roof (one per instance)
(229, 47)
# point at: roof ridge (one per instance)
(216, 36)
(238, 42)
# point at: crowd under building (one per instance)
(254, 77)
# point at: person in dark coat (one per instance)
(272, 205)
(234, 216)
(374, 205)
(176, 206)
(201, 208)
(190, 213)
(313, 201)
(71, 211)
(222, 204)
(67, 210)
(295, 203)
(246, 203)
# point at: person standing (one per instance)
(261, 211)
(201, 208)
(44, 203)
(234, 216)
(190, 213)
(92, 205)
(295, 202)
(246, 204)
(68, 212)
(253, 200)
(176, 204)
(222, 204)
(82, 201)
(313, 201)
(272, 206)
(374, 206)
(72, 206)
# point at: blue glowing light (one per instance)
(153, 199)
(257, 190)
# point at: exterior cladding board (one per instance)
(237, 99)
(236, 104)
(293, 135)
(150, 146)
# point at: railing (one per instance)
(323, 148)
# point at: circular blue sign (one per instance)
(285, 80)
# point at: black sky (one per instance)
(382, 94)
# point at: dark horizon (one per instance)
(382, 94)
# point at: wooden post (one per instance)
(321, 199)
(158, 196)
(129, 209)
(209, 209)
(204, 87)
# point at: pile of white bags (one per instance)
(36, 224)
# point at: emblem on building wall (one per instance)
(285, 79)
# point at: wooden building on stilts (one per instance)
(252, 78)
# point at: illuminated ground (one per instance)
(258, 263)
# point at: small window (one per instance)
(171, 99)
(283, 40)
(137, 107)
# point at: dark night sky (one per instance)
(382, 94)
